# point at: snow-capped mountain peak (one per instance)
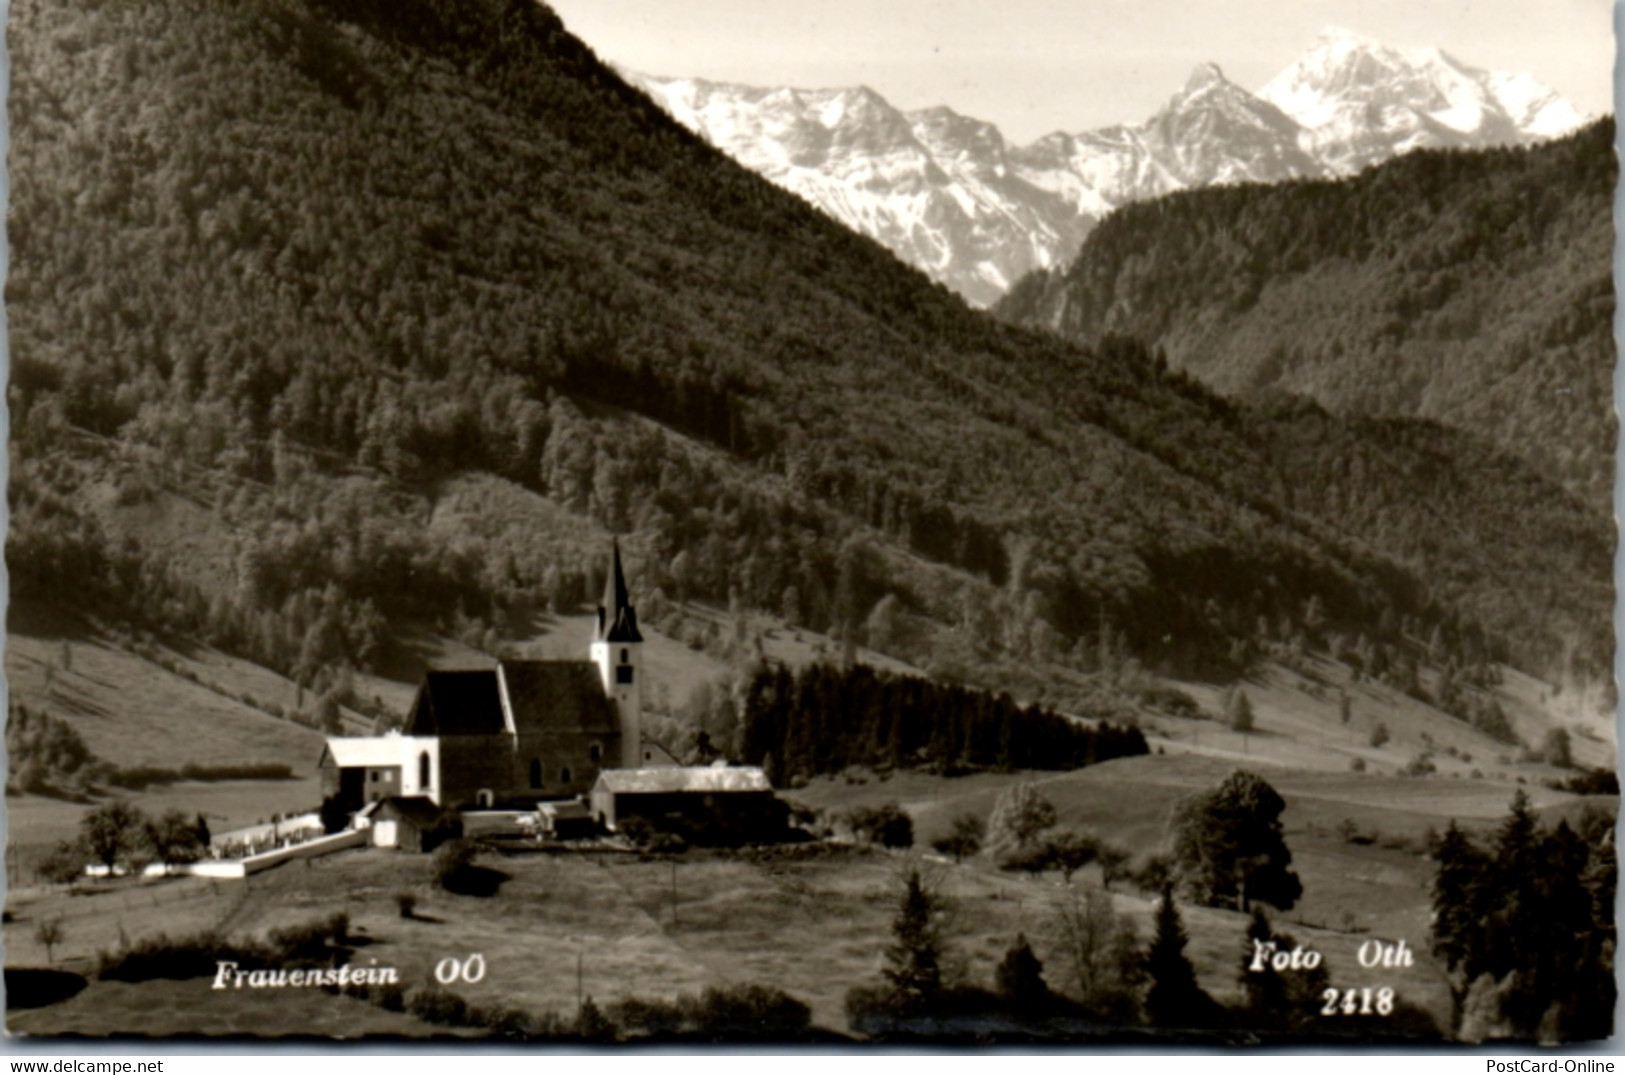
(948, 194)
(1203, 78)
(1360, 101)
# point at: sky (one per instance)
(1036, 66)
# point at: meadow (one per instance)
(811, 920)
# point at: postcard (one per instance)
(810, 524)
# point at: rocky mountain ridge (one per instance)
(949, 195)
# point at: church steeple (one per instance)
(616, 650)
(617, 619)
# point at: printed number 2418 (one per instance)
(1358, 1001)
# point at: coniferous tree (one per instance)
(1457, 903)
(1277, 1000)
(1020, 978)
(1264, 990)
(1174, 999)
(1526, 929)
(914, 958)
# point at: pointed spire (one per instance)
(617, 619)
(615, 584)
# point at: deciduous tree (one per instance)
(1228, 845)
(1019, 815)
(112, 832)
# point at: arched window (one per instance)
(626, 657)
(535, 772)
(595, 752)
(564, 775)
(423, 769)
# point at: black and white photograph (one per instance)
(595, 524)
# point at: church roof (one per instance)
(457, 703)
(558, 696)
(687, 778)
(545, 696)
(617, 619)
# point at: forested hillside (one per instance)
(1473, 288)
(283, 269)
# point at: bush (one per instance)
(65, 864)
(1357, 765)
(887, 824)
(1379, 734)
(161, 956)
(509, 1023)
(407, 902)
(1152, 873)
(637, 831)
(196, 955)
(334, 814)
(1593, 782)
(741, 1012)
(1420, 765)
(309, 940)
(648, 1018)
(1171, 701)
(1034, 858)
(438, 1006)
(452, 862)
(964, 840)
(667, 843)
(593, 1025)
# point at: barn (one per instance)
(364, 771)
(710, 804)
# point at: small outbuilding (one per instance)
(566, 820)
(416, 823)
(704, 804)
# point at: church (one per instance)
(514, 735)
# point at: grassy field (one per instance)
(132, 711)
(813, 923)
(166, 1009)
(1378, 886)
(813, 927)
(1299, 724)
(615, 925)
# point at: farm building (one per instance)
(414, 823)
(715, 803)
(362, 771)
(521, 733)
(566, 821)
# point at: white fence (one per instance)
(242, 867)
(325, 845)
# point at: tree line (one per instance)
(1524, 923)
(825, 719)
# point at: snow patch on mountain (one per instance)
(947, 194)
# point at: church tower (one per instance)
(616, 648)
